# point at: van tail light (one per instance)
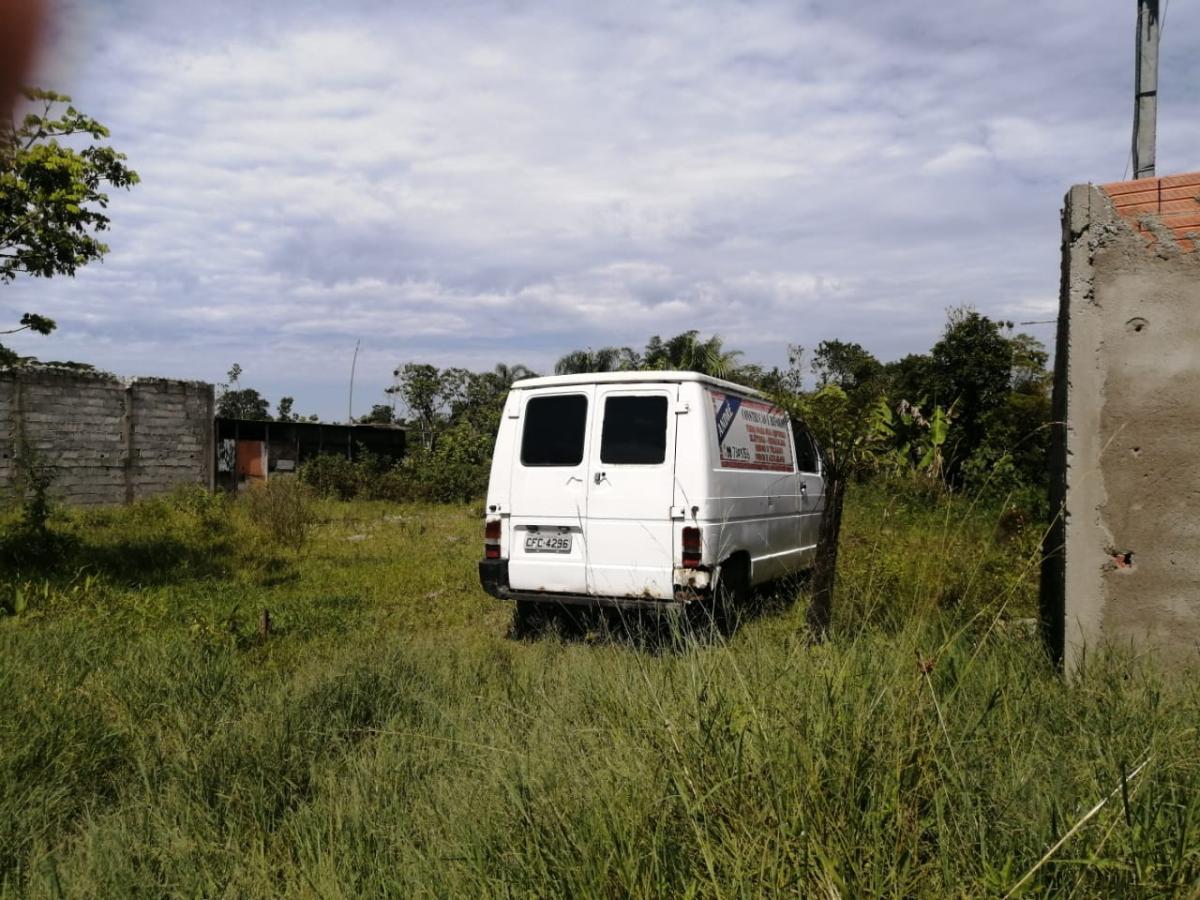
(691, 547)
(491, 539)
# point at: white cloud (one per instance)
(1019, 139)
(471, 182)
(957, 157)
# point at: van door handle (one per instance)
(803, 488)
(599, 477)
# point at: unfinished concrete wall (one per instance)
(1121, 563)
(108, 440)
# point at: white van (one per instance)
(646, 489)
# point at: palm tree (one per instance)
(606, 359)
(506, 374)
(686, 351)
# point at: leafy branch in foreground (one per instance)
(859, 433)
(845, 431)
(52, 198)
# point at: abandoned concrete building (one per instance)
(249, 451)
(107, 440)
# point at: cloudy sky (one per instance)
(468, 183)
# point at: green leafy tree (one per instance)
(844, 363)
(283, 410)
(29, 322)
(455, 469)
(910, 378)
(440, 399)
(380, 414)
(237, 402)
(791, 379)
(769, 381)
(482, 400)
(419, 386)
(52, 195)
(843, 425)
(456, 383)
(1029, 360)
(1009, 462)
(971, 367)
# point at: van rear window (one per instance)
(554, 428)
(635, 431)
(807, 459)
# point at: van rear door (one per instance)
(549, 499)
(812, 488)
(629, 528)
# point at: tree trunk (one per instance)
(824, 576)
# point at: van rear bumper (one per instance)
(493, 575)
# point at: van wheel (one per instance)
(529, 619)
(730, 595)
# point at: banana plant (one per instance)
(932, 461)
(907, 440)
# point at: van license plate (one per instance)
(548, 543)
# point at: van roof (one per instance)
(638, 377)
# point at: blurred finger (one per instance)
(21, 24)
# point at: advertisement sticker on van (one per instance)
(751, 434)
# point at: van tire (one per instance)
(529, 619)
(727, 601)
(730, 594)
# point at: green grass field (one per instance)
(387, 737)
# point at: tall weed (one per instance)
(283, 510)
(388, 739)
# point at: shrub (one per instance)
(394, 485)
(996, 480)
(29, 540)
(283, 509)
(206, 511)
(36, 511)
(456, 469)
(34, 479)
(331, 475)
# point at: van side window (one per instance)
(807, 459)
(635, 431)
(554, 429)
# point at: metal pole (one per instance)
(353, 363)
(1145, 109)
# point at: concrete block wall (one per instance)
(108, 440)
(1121, 564)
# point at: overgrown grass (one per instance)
(386, 737)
